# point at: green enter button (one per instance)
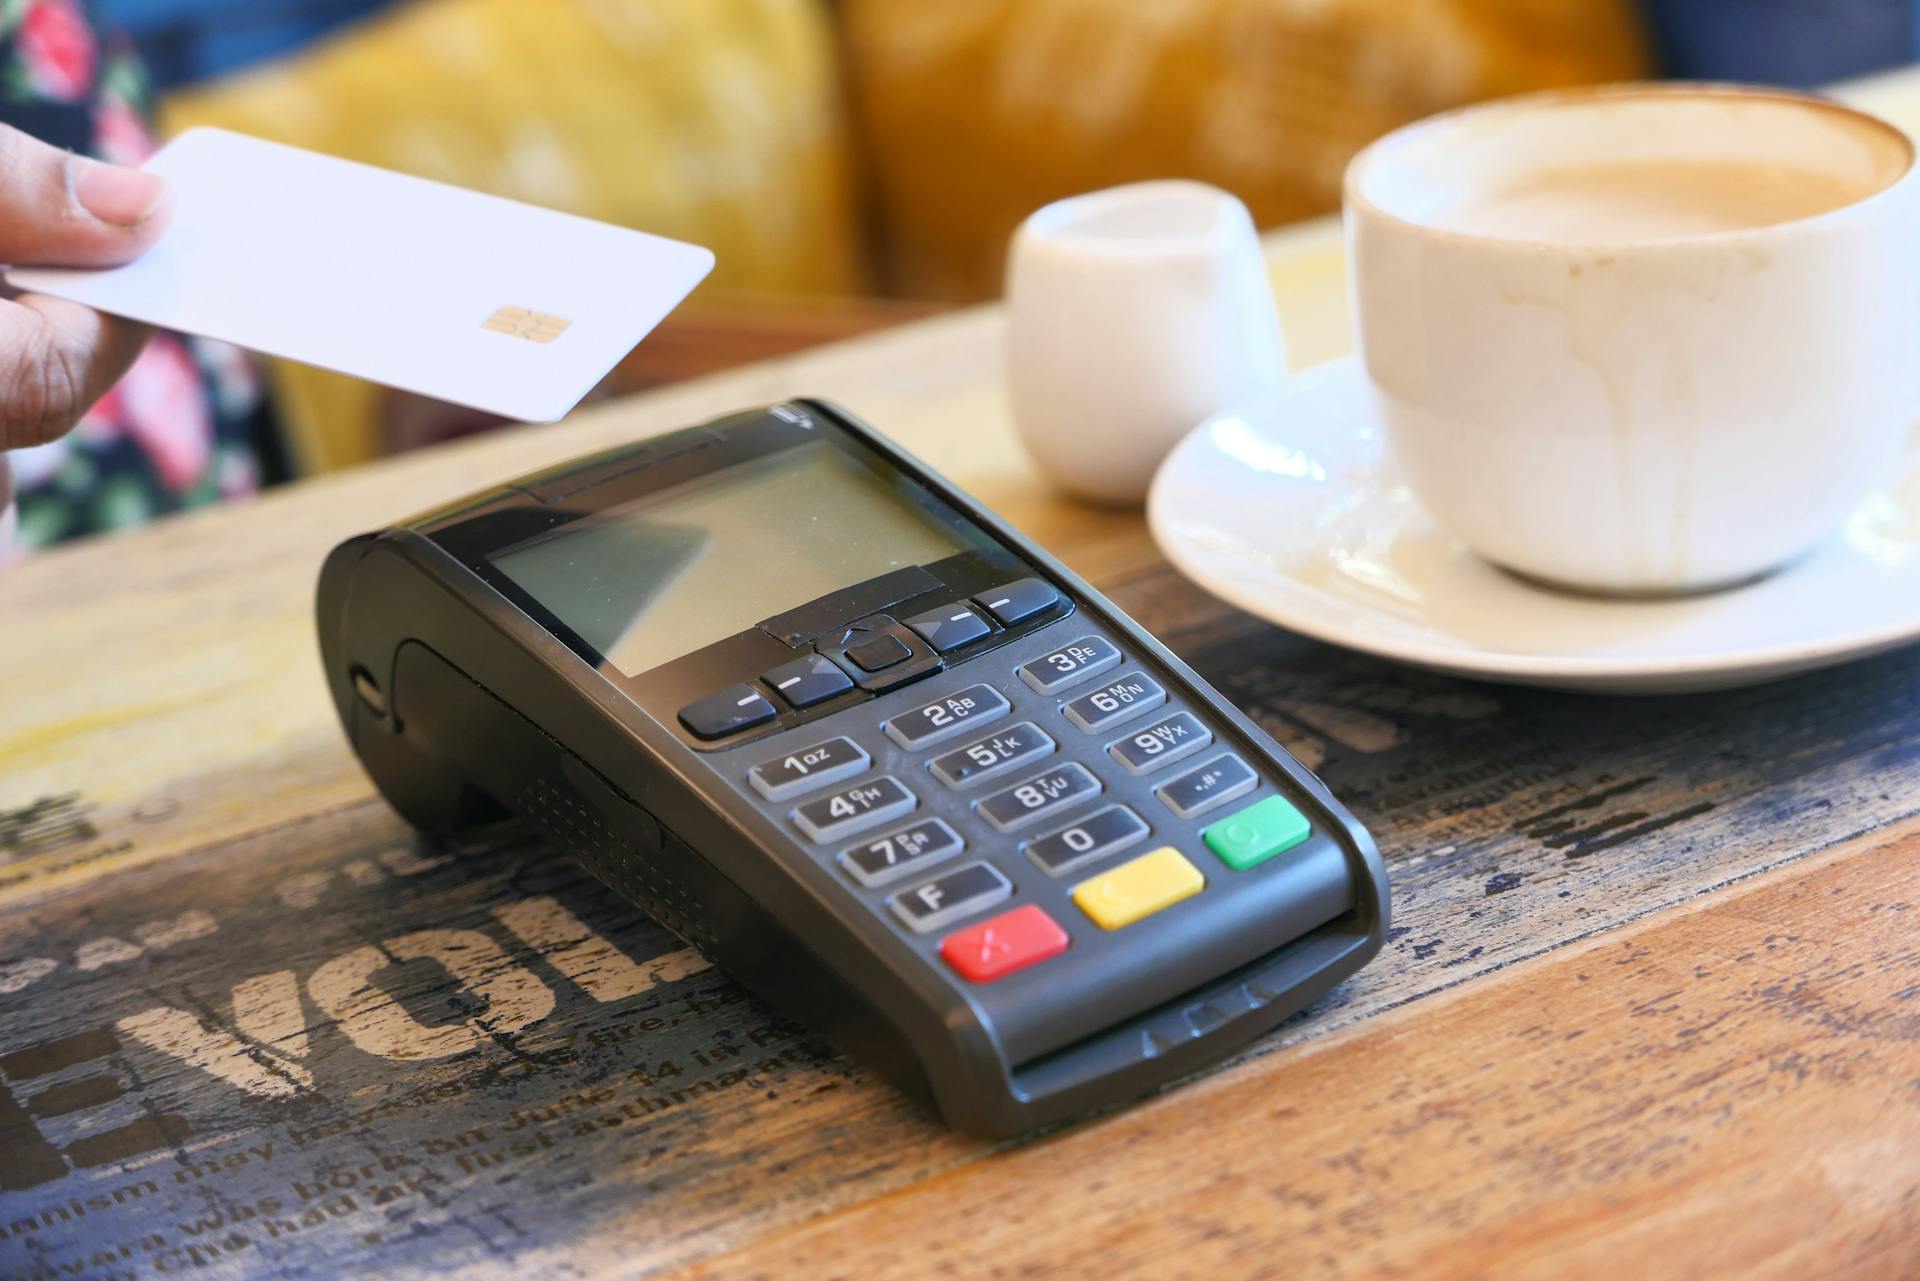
(1257, 833)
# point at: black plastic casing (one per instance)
(462, 705)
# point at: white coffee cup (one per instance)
(1642, 339)
(1132, 314)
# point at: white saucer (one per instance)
(1290, 509)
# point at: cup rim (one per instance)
(1051, 223)
(1371, 154)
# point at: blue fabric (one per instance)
(187, 40)
(1800, 43)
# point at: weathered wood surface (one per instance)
(498, 1106)
(1727, 1090)
(226, 970)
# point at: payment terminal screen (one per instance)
(647, 583)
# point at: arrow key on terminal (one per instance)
(808, 680)
(878, 654)
(949, 627)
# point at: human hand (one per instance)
(57, 357)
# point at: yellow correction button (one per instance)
(1138, 888)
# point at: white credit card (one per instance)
(464, 297)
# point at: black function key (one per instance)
(1022, 598)
(1215, 783)
(961, 892)
(878, 654)
(1041, 796)
(991, 756)
(1167, 740)
(949, 627)
(808, 769)
(887, 858)
(734, 708)
(944, 717)
(1115, 701)
(1099, 834)
(855, 809)
(1069, 663)
(809, 680)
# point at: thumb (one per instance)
(62, 210)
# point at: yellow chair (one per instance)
(976, 112)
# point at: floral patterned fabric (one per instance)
(181, 429)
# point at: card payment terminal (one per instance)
(880, 757)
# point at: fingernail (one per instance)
(123, 197)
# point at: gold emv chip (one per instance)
(521, 322)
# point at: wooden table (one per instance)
(1651, 1005)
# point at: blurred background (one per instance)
(853, 163)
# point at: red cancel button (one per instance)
(1011, 941)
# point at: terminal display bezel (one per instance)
(545, 504)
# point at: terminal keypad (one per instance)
(1065, 789)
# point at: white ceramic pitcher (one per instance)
(1133, 313)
